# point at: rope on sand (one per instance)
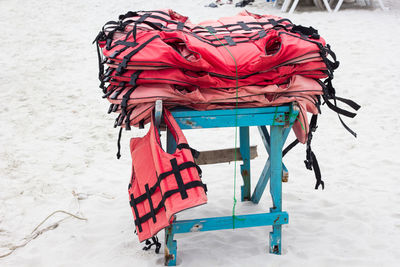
(37, 232)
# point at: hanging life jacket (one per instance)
(162, 184)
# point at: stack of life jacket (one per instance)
(248, 60)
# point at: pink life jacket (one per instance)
(162, 184)
(141, 100)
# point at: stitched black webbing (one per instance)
(122, 66)
(273, 22)
(134, 77)
(109, 93)
(116, 121)
(110, 108)
(178, 177)
(185, 165)
(116, 94)
(244, 26)
(152, 213)
(210, 29)
(194, 152)
(116, 106)
(229, 40)
(180, 26)
(125, 98)
(108, 72)
(128, 120)
(307, 31)
(143, 17)
(133, 205)
(126, 44)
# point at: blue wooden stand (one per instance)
(280, 120)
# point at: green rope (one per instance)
(236, 127)
(276, 113)
(302, 127)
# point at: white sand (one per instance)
(57, 139)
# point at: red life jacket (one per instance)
(313, 69)
(263, 49)
(162, 184)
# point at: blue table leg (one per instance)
(266, 173)
(170, 243)
(245, 167)
(170, 247)
(276, 185)
(262, 182)
(171, 144)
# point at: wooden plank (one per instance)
(223, 155)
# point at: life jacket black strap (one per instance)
(122, 66)
(180, 26)
(244, 26)
(116, 93)
(110, 109)
(116, 120)
(154, 242)
(229, 40)
(116, 106)
(119, 144)
(126, 96)
(210, 29)
(177, 173)
(150, 200)
(128, 120)
(329, 93)
(194, 152)
(109, 93)
(262, 34)
(290, 146)
(307, 31)
(311, 160)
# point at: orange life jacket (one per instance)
(162, 184)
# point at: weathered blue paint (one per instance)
(185, 113)
(171, 144)
(279, 118)
(266, 173)
(170, 247)
(228, 121)
(262, 183)
(245, 167)
(220, 223)
(276, 185)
